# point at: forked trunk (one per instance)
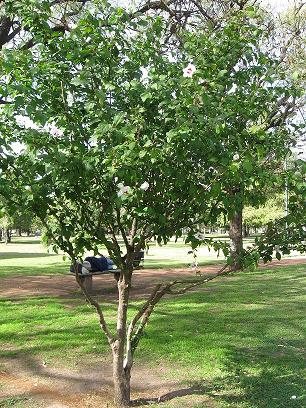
(235, 234)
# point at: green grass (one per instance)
(240, 342)
(27, 256)
(49, 328)
(16, 402)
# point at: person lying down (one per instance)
(94, 264)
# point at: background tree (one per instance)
(273, 209)
(23, 222)
(6, 225)
(288, 233)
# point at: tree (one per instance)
(118, 139)
(5, 226)
(23, 221)
(284, 38)
(272, 210)
(288, 233)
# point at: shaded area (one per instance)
(21, 271)
(18, 255)
(250, 328)
(161, 262)
(22, 241)
(197, 389)
(255, 378)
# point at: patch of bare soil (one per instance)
(89, 386)
(144, 280)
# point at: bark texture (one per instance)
(122, 363)
(7, 235)
(235, 234)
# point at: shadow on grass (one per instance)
(265, 378)
(168, 263)
(56, 268)
(18, 255)
(197, 389)
(277, 383)
(23, 241)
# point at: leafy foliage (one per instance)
(288, 233)
(108, 111)
(258, 217)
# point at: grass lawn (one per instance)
(27, 256)
(242, 342)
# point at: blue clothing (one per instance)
(98, 264)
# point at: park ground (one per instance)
(237, 342)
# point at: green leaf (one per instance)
(222, 73)
(79, 81)
(247, 165)
(146, 96)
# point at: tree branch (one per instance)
(203, 12)
(94, 303)
(159, 291)
(123, 234)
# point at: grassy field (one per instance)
(241, 343)
(27, 256)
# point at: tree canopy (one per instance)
(112, 121)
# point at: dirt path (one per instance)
(31, 384)
(90, 386)
(143, 282)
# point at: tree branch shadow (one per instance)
(197, 389)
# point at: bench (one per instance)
(86, 279)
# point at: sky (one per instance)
(276, 5)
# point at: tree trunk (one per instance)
(19, 232)
(121, 376)
(235, 234)
(121, 365)
(7, 235)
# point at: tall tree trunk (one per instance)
(235, 234)
(7, 235)
(122, 369)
